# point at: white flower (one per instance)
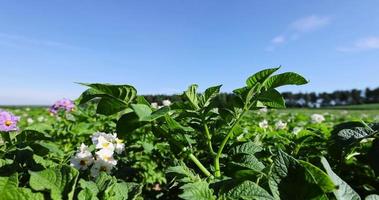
(317, 118)
(41, 119)
(25, 114)
(108, 141)
(166, 102)
(120, 146)
(154, 105)
(263, 110)
(108, 137)
(296, 130)
(105, 143)
(27, 109)
(263, 124)
(82, 159)
(279, 125)
(100, 166)
(30, 120)
(107, 156)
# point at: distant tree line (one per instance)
(312, 99)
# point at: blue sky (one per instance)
(162, 46)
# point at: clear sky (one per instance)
(162, 46)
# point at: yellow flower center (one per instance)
(105, 145)
(8, 123)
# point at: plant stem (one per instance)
(219, 152)
(201, 166)
(209, 139)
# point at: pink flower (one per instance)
(8, 121)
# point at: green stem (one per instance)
(219, 152)
(198, 164)
(209, 139)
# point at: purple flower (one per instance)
(63, 104)
(8, 121)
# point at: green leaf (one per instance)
(288, 78)
(5, 161)
(260, 76)
(89, 191)
(9, 190)
(173, 125)
(59, 181)
(184, 173)
(117, 191)
(114, 98)
(272, 98)
(209, 95)
(243, 155)
(343, 191)
(141, 110)
(248, 190)
(34, 132)
(89, 185)
(246, 148)
(110, 106)
(372, 197)
(107, 187)
(43, 161)
(290, 180)
(198, 190)
(157, 114)
(248, 162)
(128, 123)
(191, 95)
(322, 179)
(348, 133)
(87, 194)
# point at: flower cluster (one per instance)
(164, 103)
(106, 145)
(280, 125)
(263, 124)
(63, 104)
(8, 121)
(317, 118)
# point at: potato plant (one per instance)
(113, 144)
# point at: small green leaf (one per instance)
(260, 76)
(114, 98)
(185, 174)
(198, 190)
(247, 148)
(157, 114)
(191, 95)
(141, 110)
(272, 98)
(288, 78)
(248, 190)
(209, 95)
